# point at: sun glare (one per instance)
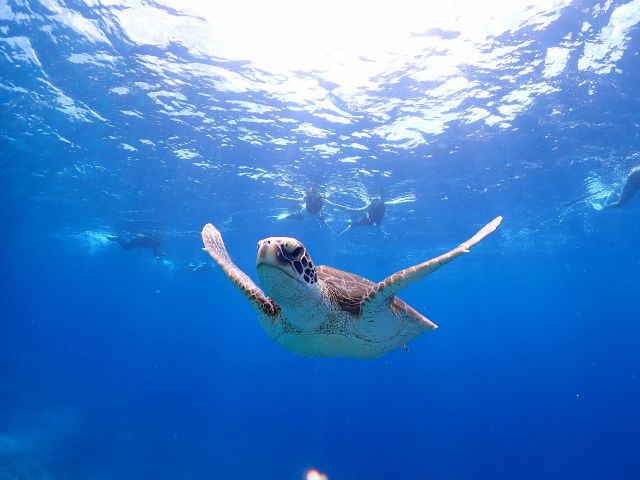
(315, 475)
(349, 43)
(272, 30)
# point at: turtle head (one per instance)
(285, 269)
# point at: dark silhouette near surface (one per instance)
(312, 204)
(370, 214)
(629, 189)
(139, 240)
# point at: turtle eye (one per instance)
(293, 254)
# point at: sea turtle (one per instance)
(320, 311)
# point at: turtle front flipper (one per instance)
(380, 294)
(214, 246)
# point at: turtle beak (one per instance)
(270, 253)
(266, 250)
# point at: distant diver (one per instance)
(312, 204)
(140, 240)
(629, 189)
(200, 266)
(370, 214)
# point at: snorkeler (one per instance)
(140, 240)
(370, 214)
(629, 189)
(312, 204)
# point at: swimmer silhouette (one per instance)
(629, 189)
(311, 207)
(139, 240)
(371, 214)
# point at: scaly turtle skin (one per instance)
(319, 311)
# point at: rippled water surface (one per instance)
(124, 118)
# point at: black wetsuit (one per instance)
(140, 240)
(374, 214)
(313, 202)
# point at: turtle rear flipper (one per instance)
(214, 246)
(380, 294)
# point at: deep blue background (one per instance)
(113, 365)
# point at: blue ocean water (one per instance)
(121, 118)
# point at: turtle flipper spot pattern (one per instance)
(214, 246)
(381, 293)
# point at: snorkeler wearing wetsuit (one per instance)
(140, 240)
(312, 206)
(371, 214)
